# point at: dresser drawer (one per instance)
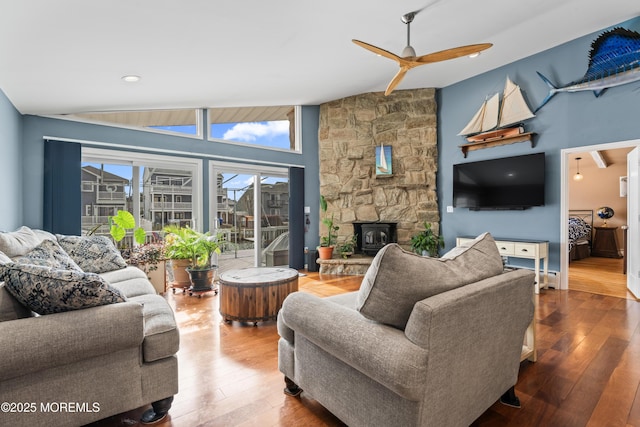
(525, 250)
(506, 248)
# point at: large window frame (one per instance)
(129, 158)
(297, 129)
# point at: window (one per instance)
(158, 190)
(267, 127)
(183, 122)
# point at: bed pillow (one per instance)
(93, 254)
(3, 258)
(397, 279)
(47, 290)
(48, 254)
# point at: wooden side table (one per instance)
(255, 294)
(605, 242)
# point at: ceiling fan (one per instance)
(408, 58)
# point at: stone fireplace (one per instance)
(350, 131)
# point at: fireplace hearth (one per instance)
(373, 236)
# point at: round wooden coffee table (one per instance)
(255, 294)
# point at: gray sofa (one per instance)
(424, 342)
(77, 366)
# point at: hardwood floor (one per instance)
(587, 373)
(599, 275)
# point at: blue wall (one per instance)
(568, 120)
(35, 128)
(10, 165)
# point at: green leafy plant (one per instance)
(347, 247)
(427, 241)
(123, 221)
(330, 238)
(187, 243)
(147, 255)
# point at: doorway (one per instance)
(250, 214)
(591, 178)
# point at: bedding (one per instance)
(579, 231)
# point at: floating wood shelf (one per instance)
(496, 142)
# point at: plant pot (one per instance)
(179, 278)
(201, 279)
(157, 277)
(325, 252)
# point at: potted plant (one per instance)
(195, 249)
(150, 258)
(346, 248)
(427, 242)
(325, 250)
(118, 226)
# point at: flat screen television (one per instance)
(506, 183)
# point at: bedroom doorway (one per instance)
(600, 170)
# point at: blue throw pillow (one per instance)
(48, 254)
(46, 290)
(93, 254)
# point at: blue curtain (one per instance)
(296, 218)
(62, 187)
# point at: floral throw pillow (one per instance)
(48, 254)
(93, 254)
(47, 290)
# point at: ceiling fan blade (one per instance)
(455, 52)
(378, 50)
(396, 80)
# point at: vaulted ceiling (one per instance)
(68, 56)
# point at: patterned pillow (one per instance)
(48, 254)
(46, 290)
(93, 254)
(397, 279)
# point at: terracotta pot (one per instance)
(180, 277)
(325, 252)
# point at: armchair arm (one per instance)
(36, 343)
(378, 351)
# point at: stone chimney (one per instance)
(350, 130)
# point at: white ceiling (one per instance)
(68, 56)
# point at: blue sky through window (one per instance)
(273, 134)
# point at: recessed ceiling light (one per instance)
(474, 55)
(131, 78)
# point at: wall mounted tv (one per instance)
(506, 183)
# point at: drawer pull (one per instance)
(524, 250)
(503, 248)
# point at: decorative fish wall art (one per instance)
(614, 60)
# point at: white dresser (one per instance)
(537, 250)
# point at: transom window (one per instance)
(183, 122)
(267, 127)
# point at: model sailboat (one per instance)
(495, 121)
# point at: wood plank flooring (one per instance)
(587, 373)
(599, 275)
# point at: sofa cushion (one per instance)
(48, 254)
(3, 258)
(397, 279)
(11, 308)
(19, 242)
(47, 290)
(93, 254)
(161, 336)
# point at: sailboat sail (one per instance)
(495, 114)
(514, 107)
(383, 160)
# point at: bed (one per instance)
(580, 228)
